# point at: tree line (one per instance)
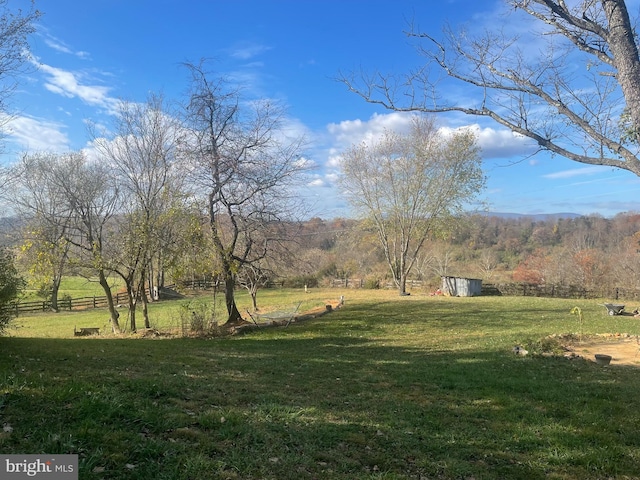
(203, 185)
(585, 252)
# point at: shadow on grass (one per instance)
(382, 390)
(311, 403)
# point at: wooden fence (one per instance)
(515, 289)
(560, 291)
(84, 303)
(507, 289)
(211, 284)
(361, 283)
(66, 303)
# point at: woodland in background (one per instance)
(589, 253)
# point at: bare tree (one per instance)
(487, 262)
(142, 153)
(15, 28)
(39, 200)
(409, 185)
(627, 267)
(252, 276)
(91, 198)
(438, 259)
(574, 89)
(244, 166)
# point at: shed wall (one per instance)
(461, 287)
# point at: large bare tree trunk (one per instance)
(623, 47)
(132, 308)
(402, 284)
(234, 316)
(113, 312)
(142, 294)
(55, 288)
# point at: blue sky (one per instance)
(91, 54)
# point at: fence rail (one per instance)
(361, 283)
(560, 291)
(81, 303)
(513, 289)
(507, 289)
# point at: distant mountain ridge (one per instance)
(533, 216)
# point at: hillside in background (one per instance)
(9, 230)
(559, 249)
(555, 249)
(537, 216)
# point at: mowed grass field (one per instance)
(386, 387)
(77, 287)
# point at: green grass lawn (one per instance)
(77, 287)
(386, 387)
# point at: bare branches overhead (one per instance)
(573, 85)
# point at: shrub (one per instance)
(371, 283)
(11, 285)
(198, 319)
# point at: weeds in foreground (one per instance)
(578, 311)
(198, 318)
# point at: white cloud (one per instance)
(334, 159)
(575, 172)
(245, 51)
(58, 45)
(37, 135)
(293, 128)
(502, 143)
(495, 143)
(305, 163)
(318, 182)
(340, 136)
(68, 84)
(353, 132)
(332, 177)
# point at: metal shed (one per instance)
(461, 287)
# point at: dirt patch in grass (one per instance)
(328, 307)
(624, 349)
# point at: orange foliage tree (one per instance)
(531, 270)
